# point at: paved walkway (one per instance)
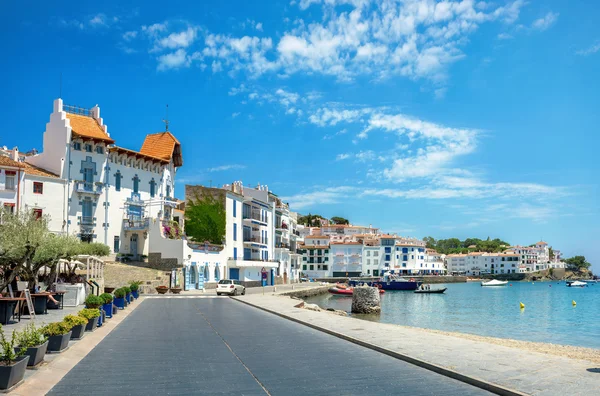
(193, 345)
(524, 371)
(53, 315)
(259, 290)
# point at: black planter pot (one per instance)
(92, 324)
(77, 332)
(58, 343)
(36, 354)
(13, 375)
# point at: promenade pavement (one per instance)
(212, 345)
(525, 371)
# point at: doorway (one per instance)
(133, 245)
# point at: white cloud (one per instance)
(259, 27)
(591, 50)
(504, 36)
(234, 115)
(338, 133)
(128, 36)
(153, 30)
(235, 91)
(98, 20)
(287, 98)
(330, 195)
(226, 168)
(177, 40)
(343, 156)
(544, 23)
(174, 60)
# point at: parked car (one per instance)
(231, 287)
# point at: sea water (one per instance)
(549, 315)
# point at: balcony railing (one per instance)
(253, 216)
(136, 224)
(254, 239)
(282, 245)
(87, 220)
(89, 188)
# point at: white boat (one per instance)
(576, 284)
(494, 282)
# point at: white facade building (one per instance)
(479, 263)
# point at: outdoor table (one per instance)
(59, 297)
(7, 308)
(40, 302)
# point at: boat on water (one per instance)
(494, 282)
(390, 281)
(345, 291)
(576, 284)
(431, 291)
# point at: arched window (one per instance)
(217, 274)
(152, 188)
(206, 272)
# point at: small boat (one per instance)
(494, 282)
(391, 281)
(431, 291)
(576, 284)
(346, 291)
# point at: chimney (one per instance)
(14, 155)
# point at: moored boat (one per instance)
(576, 284)
(494, 282)
(431, 291)
(345, 291)
(391, 282)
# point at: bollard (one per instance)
(366, 300)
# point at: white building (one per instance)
(346, 259)
(316, 257)
(479, 263)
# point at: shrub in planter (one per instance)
(58, 334)
(135, 287)
(107, 306)
(93, 301)
(34, 343)
(119, 299)
(127, 293)
(162, 289)
(176, 290)
(91, 315)
(12, 363)
(77, 325)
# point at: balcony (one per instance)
(87, 221)
(282, 246)
(88, 188)
(254, 217)
(252, 262)
(170, 201)
(136, 224)
(258, 240)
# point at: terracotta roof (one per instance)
(541, 243)
(345, 243)
(34, 170)
(163, 145)
(6, 161)
(87, 127)
(316, 237)
(136, 154)
(387, 236)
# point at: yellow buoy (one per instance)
(573, 302)
(522, 305)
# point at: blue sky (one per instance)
(420, 117)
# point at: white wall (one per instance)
(51, 201)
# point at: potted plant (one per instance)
(58, 334)
(107, 305)
(34, 343)
(176, 289)
(77, 325)
(119, 300)
(162, 289)
(91, 315)
(135, 286)
(93, 301)
(127, 295)
(12, 364)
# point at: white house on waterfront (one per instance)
(480, 263)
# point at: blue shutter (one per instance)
(235, 253)
(235, 232)
(234, 208)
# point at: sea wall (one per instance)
(316, 291)
(425, 279)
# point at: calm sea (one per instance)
(549, 315)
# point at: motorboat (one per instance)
(494, 282)
(431, 291)
(391, 281)
(345, 291)
(576, 284)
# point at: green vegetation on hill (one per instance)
(314, 220)
(455, 245)
(577, 263)
(205, 217)
(339, 220)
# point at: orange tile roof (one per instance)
(6, 161)
(163, 145)
(541, 243)
(123, 150)
(34, 170)
(345, 243)
(316, 237)
(387, 236)
(87, 127)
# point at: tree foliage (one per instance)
(205, 218)
(339, 220)
(577, 263)
(310, 220)
(455, 245)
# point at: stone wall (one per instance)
(156, 261)
(316, 291)
(425, 279)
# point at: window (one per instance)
(77, 146)
(368, 253)
(234, 208)
(37, 213)
(404, 250)
(312, 267)
(235, 232)
(9, 182)
(168, 191)
(326, 251)
(234, 251)
(388, 249)
(38, 188)
(412, 257)
(118, 181)
(375, 262)
(325, 268)
(152, 188)
(404, 265)
(116, 244)
(88, 148)
(387, 257)
(99, 150)
(9, 207)
(405, 257)
(368, 272)
(319, 252)
(304, 267)
(376, 253)
(136, 184)
(368, 261)
(326, 258)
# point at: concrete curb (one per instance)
(474, 381)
